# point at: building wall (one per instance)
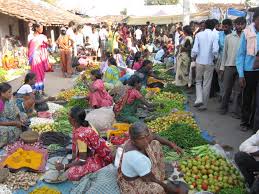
(5, 22)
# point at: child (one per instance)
(98, 96)
(119, 60)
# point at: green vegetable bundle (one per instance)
(61, 121)
(78, 102)
(173, 89)
(237, 190)
(183, 135)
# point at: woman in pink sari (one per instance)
(38, 56)
(98, 96)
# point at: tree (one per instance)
(161, 2)
(124, 11)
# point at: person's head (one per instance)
(187, 30)
(202, 26)
(135, 82)
(179, 29)
(216, 23)
(146, 53)
(164, 48)
(148, 23)
(256, 19)
(112, 61)
(96, 74)
(71, 24)
(94, 29)
(227, 26)
(139, 135)
(209, 24)
(79, 28)
(148, 64)
(107, 55)
(74, 30)
(30, 79)
(240, 24)
(5, 91)
(76, 117)
(137, 56)
(116, 51)
(37, 27)
(63, 31)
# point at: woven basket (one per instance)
(4, 173)
(29, 136)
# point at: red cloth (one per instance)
(100, 97)
(137, 65)
(100, 154)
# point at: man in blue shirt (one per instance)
(248, 76)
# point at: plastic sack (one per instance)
(102, 119)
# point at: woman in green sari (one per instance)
(126, 106)
(11, 119)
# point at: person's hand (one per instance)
(177, 149)
(59, 166)
(18, 124)
(242, 82)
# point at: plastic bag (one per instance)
(102, 119)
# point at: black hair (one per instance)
(146, 62)
(137, 56)
(209, 24)
(35, 26)
(79, 114)
(28, 77)
(240, 20)
(133, 80)
(179, 28)
(96, 73)
(116, 51)
(112, 61)
(215, 21)
(71, 23)
(256, 14)
(79, 27)
(137, 129)
(187, 30)
(4, 87)
(108, 54)
(227, 22)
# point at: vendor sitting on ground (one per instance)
(142, 168)
(126, 107)
(247, 159)
(89, 151)
(146, 71)
(11, 119)
(112, 74)
(25, 97)
(98, 96)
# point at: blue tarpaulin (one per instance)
(235, 12)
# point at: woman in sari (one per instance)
(112, 73)
(98, 96)
(184, 58)
(89, 151)
(126, 106)
(11, 119)
(38, 56)
(142, 168)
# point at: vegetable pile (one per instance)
(21, 180)
(210, 172)
(180, 117)
(61, 121)
(183, 135)
(68, 94)
(45, 190)
(41, 128)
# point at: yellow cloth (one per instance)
(24, 158)
(82, 146)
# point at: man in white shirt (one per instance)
(70, 32)
(87, 30)
(138, 34)
(205, 50)
(247, 159)
(103, 33)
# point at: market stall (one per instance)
(203, 166)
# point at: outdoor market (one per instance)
(129, 103)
